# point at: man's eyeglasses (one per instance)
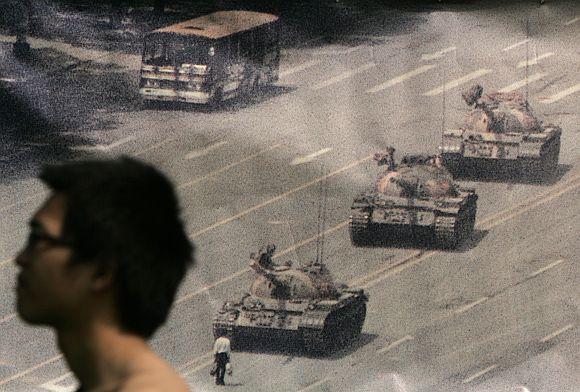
(34, 239)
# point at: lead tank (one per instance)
(294, 306)
(417, 197)
(501, 132)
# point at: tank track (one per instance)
(341, 327)
(360, 233)
(451, 231)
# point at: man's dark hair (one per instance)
(123, 215)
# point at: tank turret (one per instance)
(501, 130)
(416, 196)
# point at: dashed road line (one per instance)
(314, 385)
(228, 167)
(516, 45)
(457, 82)
(309, 157)
(562, 94)
(104, 147)
(153, 147)
(401, 78)
(522, 83)
(395, 344)
(479, 374)
(546, 268)
(554, 334)
(568, 23)
(6, 262)
(343, 76)
(30, 370)
(467, 307)
(8, 317)
(335, 52)
(206, 150)
(52, 385)
(299, 68)
(279, 197)
(534, 61)
(436, 55)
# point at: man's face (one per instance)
(50, 289)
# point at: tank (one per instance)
(501, 132)
(415, 198)
(293, 307)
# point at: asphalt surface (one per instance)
(499, 314)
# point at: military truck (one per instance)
(293, 307)
(415, 198)
(500, 134)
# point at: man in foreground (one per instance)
(105, 255)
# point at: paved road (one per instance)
(500, 314)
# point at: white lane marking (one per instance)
(515, 45)
(551, 336)
(276, 222)
(6, 262)
(227, 167)
(568, 23)
(395, 344)
(30, 370)
(200, 363)
(298, 68)
(343, 76)
(457, 82)
(52, 385)
(309, 157)
(7, 318)
(104, 147)
(436, 55)
(562, 94)
(401, 78)
(479, 374)
(314, 385)
(204, 151)
(154, 146)
(522, 83)
(465, 308)
(544, 269)
(535, 60)
(332, 52)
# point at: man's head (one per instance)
(108, 235)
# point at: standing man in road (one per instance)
(222, 353)
(105, 255)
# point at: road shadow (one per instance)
(292, 349)
(416, 239)
(499, 174)
(231, 105)
(46, 115)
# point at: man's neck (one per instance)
(100, 355)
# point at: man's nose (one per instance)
(21, 258)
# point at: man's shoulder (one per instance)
(155, 375)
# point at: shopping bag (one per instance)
(229, 369)
(213, 369)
